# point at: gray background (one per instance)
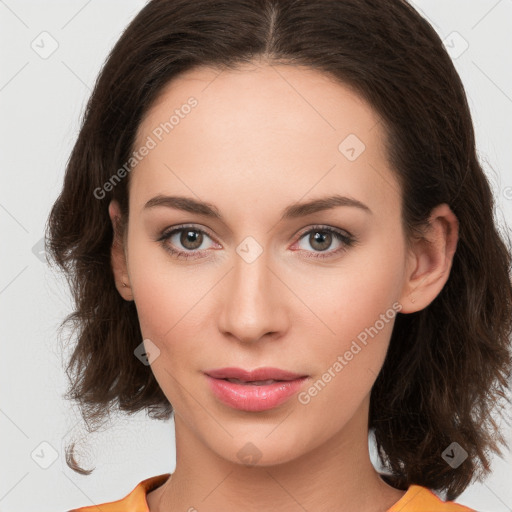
(42, 96)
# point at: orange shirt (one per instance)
(416, 499)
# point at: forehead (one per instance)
(258, 129)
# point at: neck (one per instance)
(336, 475)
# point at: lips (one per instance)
(254, 382)
(253, 391)
(257, 376)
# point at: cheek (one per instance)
(349, 361)
(353, 298)
(165, 295)
(168, 316)
(355, 313)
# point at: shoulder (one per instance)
(135, 501)
(416, 499)
(421, 499)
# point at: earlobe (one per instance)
(430, 260)
(117, 254)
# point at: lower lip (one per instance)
(251, 397)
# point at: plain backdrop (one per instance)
(51, 53)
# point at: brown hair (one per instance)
(447, 365)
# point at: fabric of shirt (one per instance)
(416, 499)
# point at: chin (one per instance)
(258, 451)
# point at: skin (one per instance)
(261, 138)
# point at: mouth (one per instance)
(256, 390)
(253, 376)
(255, 382)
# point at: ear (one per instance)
(430, 260)
(118, 255)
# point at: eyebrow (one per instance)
(292, 211)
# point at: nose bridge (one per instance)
(252, 305)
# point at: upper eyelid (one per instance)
(325, 227)
(177, 229)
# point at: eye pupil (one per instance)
(191, 237)
(322, 237)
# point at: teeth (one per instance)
(253, 382)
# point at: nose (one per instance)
(253, 302)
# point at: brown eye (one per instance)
(320, 240)
(185, 242)
(191, 239)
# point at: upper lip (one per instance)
(265, 373)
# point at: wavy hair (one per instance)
(447, 365)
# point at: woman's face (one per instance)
(267, 284)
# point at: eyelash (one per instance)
(347, 240)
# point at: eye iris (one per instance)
(192, 237)
(324, 238)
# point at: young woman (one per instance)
(277, 229)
